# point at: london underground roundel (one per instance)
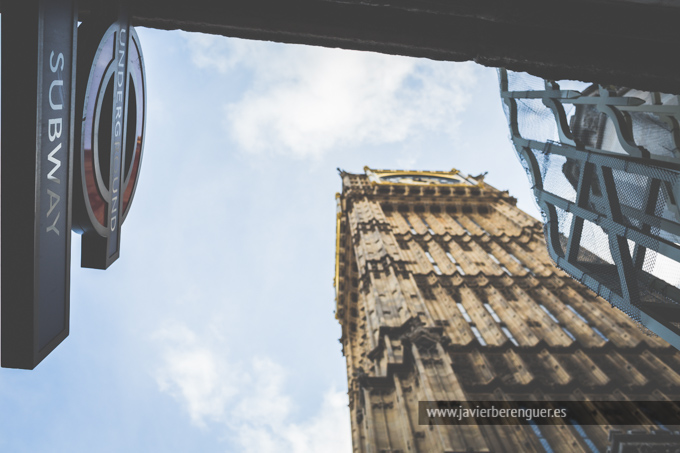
(111, 104)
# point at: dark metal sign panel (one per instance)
(38, 49)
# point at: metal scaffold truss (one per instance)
(604, 163)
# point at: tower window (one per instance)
(544, 442)
(464, 312)
(458, 268)
(569, 334)
(429, 257)
(413, 232)
(581, 432)
(520, 263)
(480, 227)
(478, 335)
(492, 312)
(545, 309)
(434, 264)
(508, 334)
(573, 310)
(514, 258)
(461, 225)
(427, 225)
(603, 336)
(495, 260)
(659, 424)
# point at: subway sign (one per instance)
(73, 115)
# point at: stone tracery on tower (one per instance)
(445, 292)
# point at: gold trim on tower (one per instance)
(336, 279)
(410, 178)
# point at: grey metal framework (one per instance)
(605, 167)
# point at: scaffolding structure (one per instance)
(604, 163)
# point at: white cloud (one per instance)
(330, 432)
(265, 404)
(327, 432)
(246, 401)
(194, 374)
(215, 52)
(303, 101)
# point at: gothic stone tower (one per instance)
(445, 291)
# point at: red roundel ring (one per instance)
(97, 79)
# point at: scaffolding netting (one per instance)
(604, 163)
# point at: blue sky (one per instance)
(215, 331)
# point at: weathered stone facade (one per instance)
(445, 291)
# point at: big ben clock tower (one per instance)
(445, 292)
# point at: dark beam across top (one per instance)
(621, 42)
